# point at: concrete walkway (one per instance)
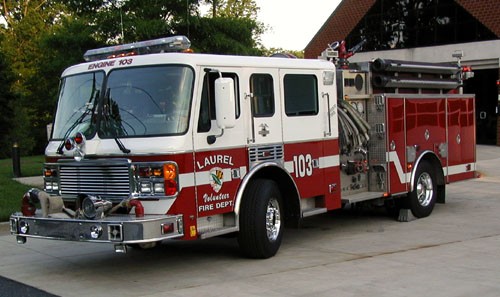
(34, 181)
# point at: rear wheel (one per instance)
(261, 220)
(423, 197)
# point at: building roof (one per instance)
(349, 12)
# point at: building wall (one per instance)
(480, 55)
(498, 119)
(349, 12)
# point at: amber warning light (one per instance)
(161, 45)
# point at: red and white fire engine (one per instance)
(150, 143)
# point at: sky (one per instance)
(293, 23)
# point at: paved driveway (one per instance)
(454, 252)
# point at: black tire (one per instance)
(261, 220)
(422, 199)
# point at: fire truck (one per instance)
(153, 143)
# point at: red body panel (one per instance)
(461, 135)
(312, 173)
(442, 125)
(215, 186)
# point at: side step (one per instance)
(219, 232)
(313, 211)
(364, 196)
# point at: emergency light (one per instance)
(161, 45)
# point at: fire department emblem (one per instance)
(216, 178)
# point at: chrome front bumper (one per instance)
(117, 229)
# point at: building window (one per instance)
(399, 24)
(301, 94)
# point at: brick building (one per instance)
(427, 30)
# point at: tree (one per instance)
(6, 98)
(42, 38)
(238, 9)
(271, 51)
(230, 18)
(225, 36)
(27, 22)
(234, 8)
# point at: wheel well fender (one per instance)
(431, 158)
(288, 189)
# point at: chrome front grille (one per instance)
(108, 179)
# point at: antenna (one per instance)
(121, 25)
(187, 17)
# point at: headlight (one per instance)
(157, 179)
(51, 179)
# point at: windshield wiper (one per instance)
(78, 122)
(106, 116)
(121, 146)
(90, 108)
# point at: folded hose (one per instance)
(353, 128)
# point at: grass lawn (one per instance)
(11, 192)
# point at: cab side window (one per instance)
(207, 109)
(261, 86)
(301, 94)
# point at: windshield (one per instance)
(147, 101)
(139, 101)
(77, 105)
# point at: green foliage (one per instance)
(234, 8)
(11, 191)
(42, 38)
(224, 36)
(273, 50)
(27, 22)
(5, 98)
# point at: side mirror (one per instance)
(225, 104)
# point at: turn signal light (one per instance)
(170, 176)
(49, 172)
(169, 171)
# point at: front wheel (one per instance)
(423, 197)
(261, 220)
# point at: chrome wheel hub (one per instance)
(425, 189)
(273, 220)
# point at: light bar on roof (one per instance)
(161, 45)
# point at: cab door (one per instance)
(219, 155)
(264, 108)
(311, 143)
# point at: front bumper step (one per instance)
(118, 229)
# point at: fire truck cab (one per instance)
(150, 143)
